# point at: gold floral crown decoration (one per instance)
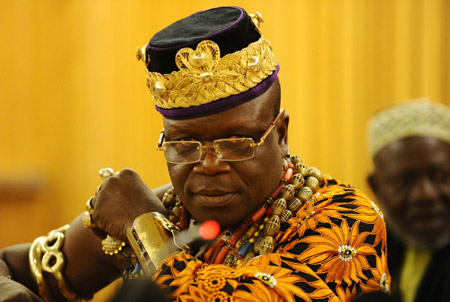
(204, 76)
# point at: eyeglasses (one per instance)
(226, 149)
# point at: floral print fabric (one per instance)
(332, 250)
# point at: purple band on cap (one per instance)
(221, 104)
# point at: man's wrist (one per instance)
(150, 236)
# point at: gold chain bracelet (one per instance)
(45, 257)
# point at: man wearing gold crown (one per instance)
(410, 146)
(289, 232)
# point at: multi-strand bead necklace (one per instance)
(259, 232)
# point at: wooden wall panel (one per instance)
(74, 99)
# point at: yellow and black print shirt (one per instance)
(333, 249)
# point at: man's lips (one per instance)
(426, 220)
(214, 198)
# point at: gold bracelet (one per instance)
(45, 256)
(34, 258)
(149, 238)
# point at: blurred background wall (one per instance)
(73, 97)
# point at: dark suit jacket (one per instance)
(435, 283)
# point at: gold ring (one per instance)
(112, 246)
(89, 207)
(88, 222)
(105, 173)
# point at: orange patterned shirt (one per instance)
(333, 249)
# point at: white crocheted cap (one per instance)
(418, 117)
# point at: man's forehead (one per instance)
(413, 153)
(226, 120)
(254, 116)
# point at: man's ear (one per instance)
(283, 133)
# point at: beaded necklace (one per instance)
(257, 233)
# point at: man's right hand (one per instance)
(120, 199)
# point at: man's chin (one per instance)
(421, 236)
(431, 242)
(224, 218)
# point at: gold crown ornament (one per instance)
(204, 76)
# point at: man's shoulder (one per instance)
(334, 190)
(336, 201)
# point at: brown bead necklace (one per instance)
(257, 234)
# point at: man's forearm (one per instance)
(86, 267)
(14, 263)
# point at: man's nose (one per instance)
(210, 164)
(424, 189)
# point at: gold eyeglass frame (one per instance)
(159, 145)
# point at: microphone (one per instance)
(204, 232)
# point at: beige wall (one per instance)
(73, 97)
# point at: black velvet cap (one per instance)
(229, 27)
(234, 63)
